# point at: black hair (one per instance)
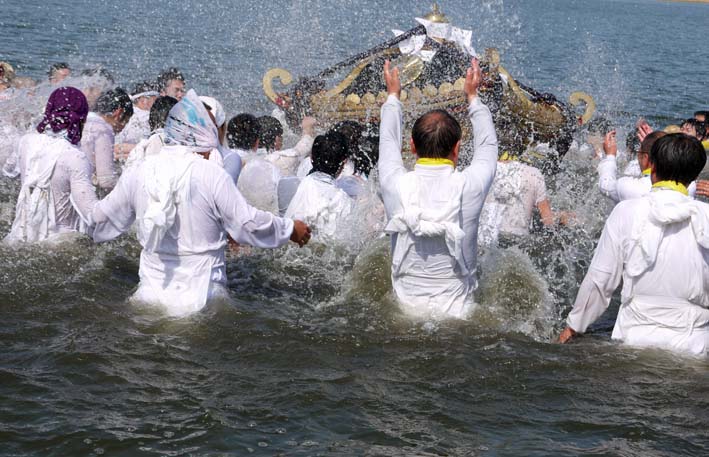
(144, 86)
(699, 126)
(678, 157)
(702, 113)
(329, 153)
(650, 139)
(159, 111)
(113, 99)
(632, 143)
(242, 131)
(168, 75)
(352, 131)
(56, 67)
(270, 129)
(98, 71)
(367, 155)
(435, 134)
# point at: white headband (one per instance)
(149, 93)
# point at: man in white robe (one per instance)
(627, 187)
(56, 196)
(113, 111)
(318, 201)
(184, 207)
(286, 160)
(434, 210)
(658, 245)
(138, 128)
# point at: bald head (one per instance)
(435, 134)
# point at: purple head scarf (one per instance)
(66, 109)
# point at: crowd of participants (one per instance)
(170, 165)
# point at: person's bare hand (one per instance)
(391, 77)
(308, 125)
(567, 218)
(702, 188)
(566, 335)
(644, 130)
(301, 233)
(610, 145)
(473, 78)
(121, 151)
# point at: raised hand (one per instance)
(644, 129)
(473, 79)
(391, 77)
(610, 145)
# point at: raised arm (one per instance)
(608, 169)
(390, 165)
(484, 163)
(105, 169)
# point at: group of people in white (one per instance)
(171, 167)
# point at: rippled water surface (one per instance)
(311, 356)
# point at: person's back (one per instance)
(56, 195)
(434, 210)
(184, 207)
(659, 246)
(322, 205)
(318, 201)
(258, 183)
(516, 190)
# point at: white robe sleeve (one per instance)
(603, 277)
(484, 164)
(390, 165)
(608, 177)
(106, 175)
(246, 224)
(116, 213)
(83, 192)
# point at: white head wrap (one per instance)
(189, 124)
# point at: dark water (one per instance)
(311, 356)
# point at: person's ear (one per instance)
(456, 152)
(413, 147)
(118, 114)
(256, 144)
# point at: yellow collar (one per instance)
(671, 185)
(434, 161)
(507, 156)
(647, 172)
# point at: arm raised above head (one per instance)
(484, 163)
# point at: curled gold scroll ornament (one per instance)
(577, 97)
(283, 75)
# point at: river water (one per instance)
(311, 356)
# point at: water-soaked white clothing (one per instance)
(321, 205)
(56, 194)
(183, 267)
(288, 160)
(146, 147)
(659, 246)
(516, 191)
(625, 187)
(433, 215)
(137, 128)
(97, 141)
(258, 183)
